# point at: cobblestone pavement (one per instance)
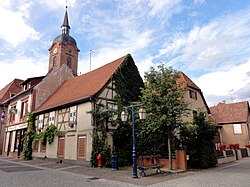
(233, 174)
(122, 175)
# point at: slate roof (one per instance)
(12, 87)
(230, 113)
(82, 87)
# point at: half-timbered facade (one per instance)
(69, 110)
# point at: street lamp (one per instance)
(124, 117)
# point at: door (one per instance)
(60, 150)
(81, 147)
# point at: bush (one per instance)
(198, 141)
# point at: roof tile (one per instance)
(230, 113)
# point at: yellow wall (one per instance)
(228, 136)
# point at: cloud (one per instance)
(55, 4)
(15, 30)
(22, 68)
(163, 7)
(212, 46)
(233, 84)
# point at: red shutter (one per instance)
(60, 152)
(81, 146)
(35, 148)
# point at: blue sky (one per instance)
(209, 40)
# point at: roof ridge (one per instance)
(189, 81)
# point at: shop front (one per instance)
(13, 140)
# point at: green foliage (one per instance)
(197, 138)
(164, 104)
(128, 82)
(122, 138)
(128, 85)
(99, 136)
(29, 137)
(49, 134)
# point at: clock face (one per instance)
(55, 50)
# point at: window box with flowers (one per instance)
(222, 147)
(234, 146)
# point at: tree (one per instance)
(162, 97)
(197, 138)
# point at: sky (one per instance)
(209, 40)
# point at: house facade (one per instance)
(233, 120)
(194, 97)
(7, 92)
(69, 110)
(17, 110)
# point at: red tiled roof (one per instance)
(230, 113)
(184, 78)
(82, 87)
(12, 87)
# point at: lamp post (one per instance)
(124, 117)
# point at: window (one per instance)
(13, 112)
(72, 115)
(24, 109)
(54, 61)
(12, 94)
(69, 62)
(52, 118)
(193, 94)
(40, 122)
(237, 129)
(112, 107)
(195, 113)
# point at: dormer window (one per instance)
(12, 94)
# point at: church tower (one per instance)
(64, 49)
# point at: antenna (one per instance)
(66, 4)
(90, 52)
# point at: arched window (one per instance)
(69, 62)
(54, 61)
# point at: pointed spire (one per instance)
(65, 26)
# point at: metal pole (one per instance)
(134, 149)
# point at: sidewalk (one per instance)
(123, 174)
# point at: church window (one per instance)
(54, 61)
(69, 62)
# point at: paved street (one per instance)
(44, 173)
